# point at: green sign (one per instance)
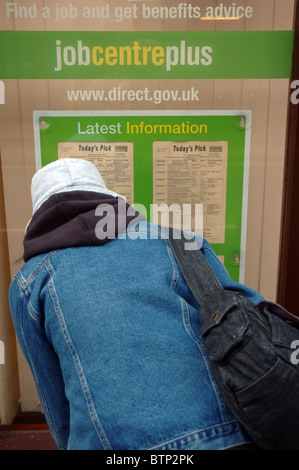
(162, 55)
(154, 158)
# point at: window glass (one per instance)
(161, 96)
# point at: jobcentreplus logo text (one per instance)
(128, 55)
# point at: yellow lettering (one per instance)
(122, 51)
(95, 52)
(145, 51)
(158, 55)
(111, 55)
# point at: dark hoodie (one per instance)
(77, 218)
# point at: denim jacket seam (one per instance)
(81, 375)
(189, 330)
(22, 283)
(35, 375)
(158, 232)
(25, 285)
(207, 248)
(187, 325)
(33, 313)
(175, 271)
(218, 429)
(196, 339)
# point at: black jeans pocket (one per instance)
(269, 407)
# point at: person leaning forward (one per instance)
(109, 327)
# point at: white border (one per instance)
(92, 113)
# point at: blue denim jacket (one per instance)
(111, 334)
